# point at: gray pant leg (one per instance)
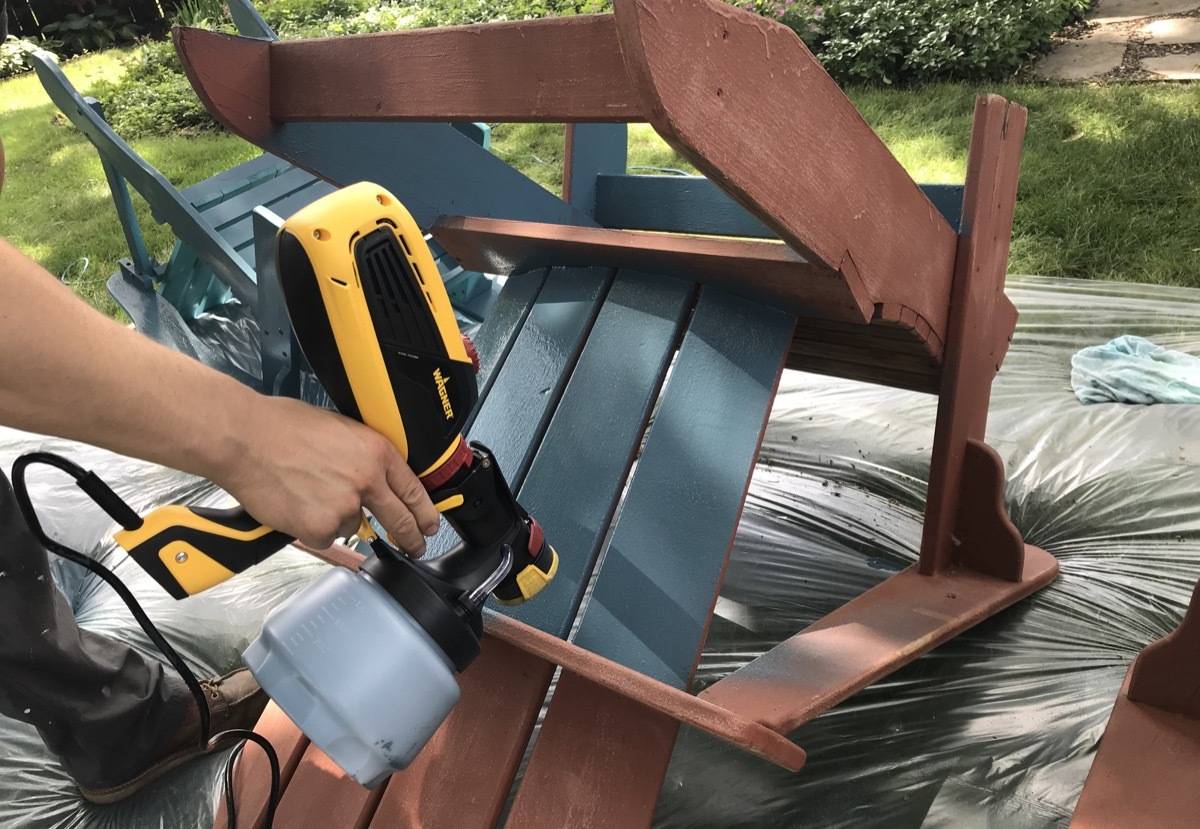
(99, 705)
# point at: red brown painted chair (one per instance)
(1147, 771)
(862, 277)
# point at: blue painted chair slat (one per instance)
(239, 233)
(662, 568)
(205, 194)
(265, 193)
(527, 386)
(575, 479)
(693, 204)
(433, 168)
(496, 335)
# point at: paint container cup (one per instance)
(356, 673)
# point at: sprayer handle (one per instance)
(190, 549)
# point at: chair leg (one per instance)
(1145, 771)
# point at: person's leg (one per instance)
(99, 705)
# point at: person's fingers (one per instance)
(407, 486)
(396, 518)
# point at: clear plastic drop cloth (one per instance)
(996, 728)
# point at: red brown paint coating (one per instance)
(1147, 771)
(889, 293)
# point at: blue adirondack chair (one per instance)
(213, 258)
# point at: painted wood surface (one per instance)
(766, 271)
(168, 204)
(575, 479)
(1167, 673)
(675, 703)
(693, 204)
(572, 488)
(433, 168)
(976, 337)
(523, 70)
(824, 182)
(590, 150)
(1144, 773)
(602, 754)
(321, 794)
(252, 774)
(868, 638)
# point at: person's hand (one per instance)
(309, 472)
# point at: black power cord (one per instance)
(124, 515)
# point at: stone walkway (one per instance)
(1146, 40)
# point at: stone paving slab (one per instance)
(1172, 30)
(1175, 67)
(1120, 11)
(1079, 60)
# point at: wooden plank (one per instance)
(165, 200)
(268, 191)
(528, 385)
(693, 204)
(461, 778)
(320, 793)
(433, 168)
(554, 69)
(864, 371)
(1144, 773)
(572, 490)
(495, 337)
(762, 270)
(615, 383)
(1167, 673)
(675, 703)
(867, 638)
(973, 353)
(589, 150)
(240, 231)
(230, 182)
(252, 775)
(652, 601)
(725, 87)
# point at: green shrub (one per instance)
(153, 97)
(101, 28)
(15, 55)
(906, 41)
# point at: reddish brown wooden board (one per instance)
(979, 317)
(252, 775)
(1167, 673)
(525, 70)
(1146, 772)
(867, 638)
(765, 270)
(737, 94)
(321, 794)
(746, 102)
(501, 695)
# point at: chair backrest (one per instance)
(167, 204)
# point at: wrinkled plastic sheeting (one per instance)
(209, 630)
(999, 726)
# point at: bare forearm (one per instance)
(67, 370)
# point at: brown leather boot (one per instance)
(234, 701)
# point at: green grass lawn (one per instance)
(1110, 187)
(56, 205)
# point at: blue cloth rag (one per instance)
(1132, 369)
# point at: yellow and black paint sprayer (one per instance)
(372, 316)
